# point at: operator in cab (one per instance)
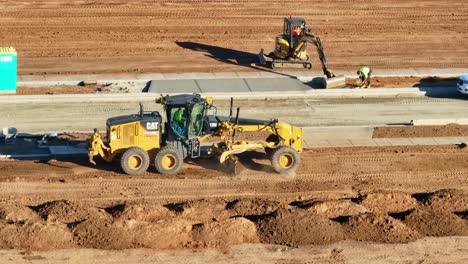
(178, 121)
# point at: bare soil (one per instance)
(59, 37)
(376, 194)
(450, 130)
(405, 82)
(58, 89)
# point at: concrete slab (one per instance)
(222, 85)
(400, 141)
(423, 141)
(339, 132)
(340, 142)
(439, 122)
(275, 84)
(381, 142)
(150, 76)
(447, 140)
(225, 75)
(174, 86)
(363, 142)
(317, 143)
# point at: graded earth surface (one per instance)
(198, 36)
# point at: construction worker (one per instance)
(364, 74)
(178, 121)
(297, 31)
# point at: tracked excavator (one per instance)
(290, 49)
(142, 139)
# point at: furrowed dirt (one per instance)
(377, 194)
(450, 130)
(58, 37)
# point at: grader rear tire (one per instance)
(168, 160)
(135, 161)
(285, 160)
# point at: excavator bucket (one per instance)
(263, 59)
(327, 83)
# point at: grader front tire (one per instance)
(285, 160)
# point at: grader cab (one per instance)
(143, 139)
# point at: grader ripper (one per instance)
(143, 139)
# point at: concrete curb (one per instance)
(46, 80)
(132, 97)
(439, 122)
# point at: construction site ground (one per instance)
(370, 188)
(60, 37)
(372, 194)
(340, 199)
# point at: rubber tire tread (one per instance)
(280, 151)
(164, 151)
(132, 151)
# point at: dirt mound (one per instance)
(202, 211)
(17, 213)
(378, 228)
(246, 206)
(335, 208)
(448, 200)
(388, 202)
(226, 233)
(295, 227)
(68, 212)
(144, 211)
(432, 223)
(167, 234)
(103, 234)
(35, 236)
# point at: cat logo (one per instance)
(152, 126)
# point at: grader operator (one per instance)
(143, 139)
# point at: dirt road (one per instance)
(185, 36)
(376, 194)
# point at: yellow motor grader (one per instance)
(143, 139)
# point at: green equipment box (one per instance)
(8, 72)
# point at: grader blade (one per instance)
(232, 165)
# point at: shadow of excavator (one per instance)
(229, 56)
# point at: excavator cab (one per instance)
(293, 30)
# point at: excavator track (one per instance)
(284, 63)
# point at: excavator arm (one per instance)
(308, 38)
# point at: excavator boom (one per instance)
(308, 38)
